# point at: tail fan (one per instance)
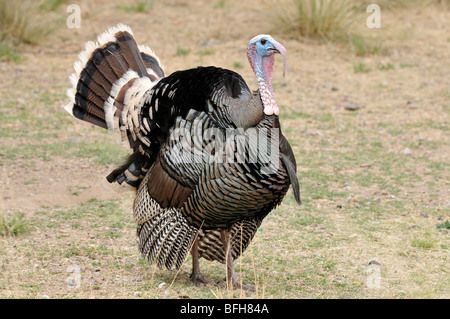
(112, 80)
(107, 70)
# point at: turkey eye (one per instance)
(263, 41)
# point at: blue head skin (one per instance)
(260, 53)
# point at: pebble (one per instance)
(374, 261)
(162, 286)
(352, 107)
(407, 151)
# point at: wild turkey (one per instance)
(211, 205)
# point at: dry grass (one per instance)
(23, 21)
(12, 224)
(325, 19)
(374, 181)
(335, 20)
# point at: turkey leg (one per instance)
(196, 275)
(231, 279)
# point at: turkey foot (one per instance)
(234, 283)
(198, 279)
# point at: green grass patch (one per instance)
(13, 224)
(361, 68)
(182, 51)
(142, 6)
(363, 45)
(237, 65)
(206, 52)
(8, 53)
(445, 225)
(385, 67)
(424, 243)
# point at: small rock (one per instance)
(407, 151)
(352, 107)
(340, 280)
(374, 261)
(162, 286)
(334, 88)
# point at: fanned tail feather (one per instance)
(112, 79)
(106, 70)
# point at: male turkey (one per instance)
(209, 161)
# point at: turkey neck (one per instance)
(253, 112)
(263, 66)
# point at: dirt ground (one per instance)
(413, 99)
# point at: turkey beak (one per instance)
(281, 50)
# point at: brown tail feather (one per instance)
(111, 82)
(104, 72)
